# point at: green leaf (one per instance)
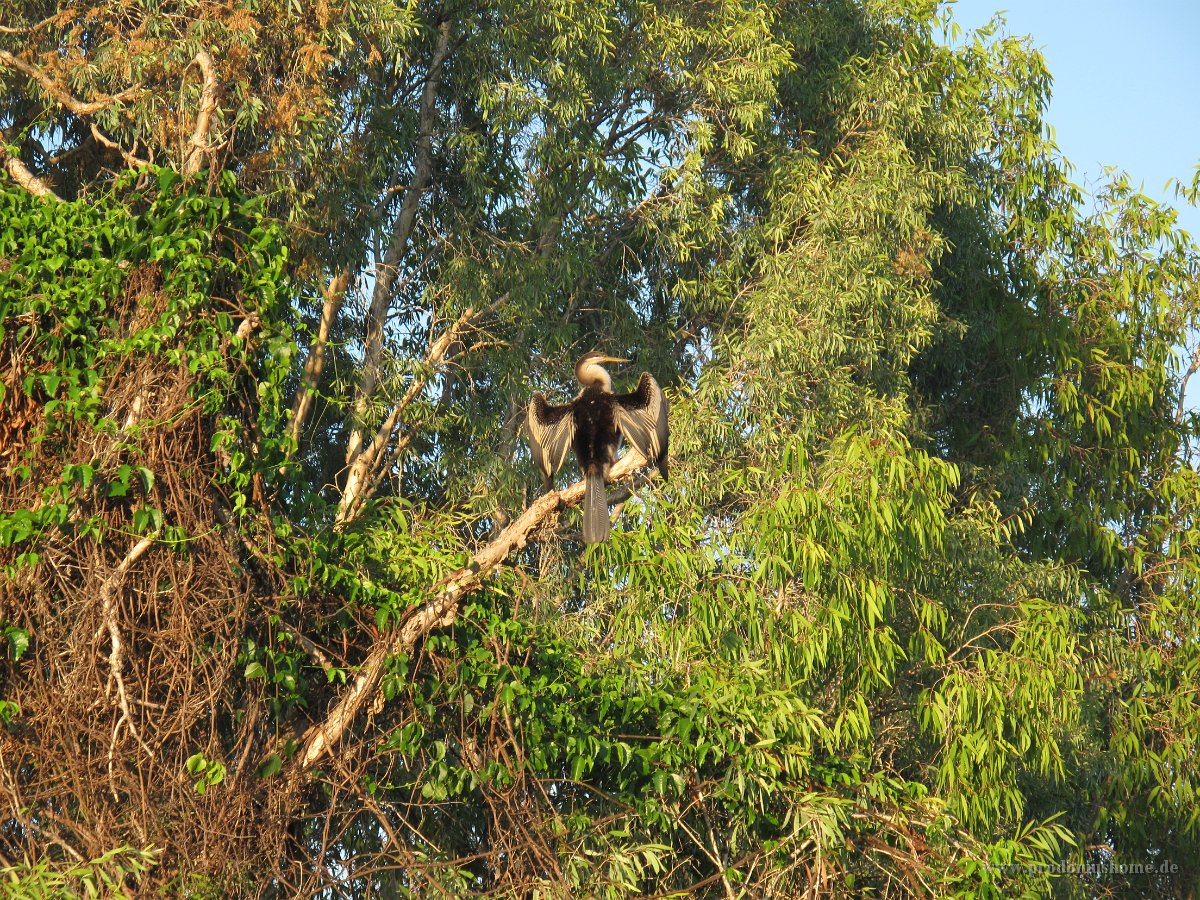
(254, 670)
(18, 641)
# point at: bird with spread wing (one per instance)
(592, 425)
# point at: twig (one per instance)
(1187, 376)
(365, 464)
(442, 611)
(391, 460)
(131, 160)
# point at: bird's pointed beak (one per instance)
(615, 359)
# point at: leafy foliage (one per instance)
(916, 612)
(105, 876)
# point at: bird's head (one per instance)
(590, 369)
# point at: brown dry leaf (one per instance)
(242, 20)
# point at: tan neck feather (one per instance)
(592, 373)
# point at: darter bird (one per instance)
(592, 425)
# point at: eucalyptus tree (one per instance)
(916, 611)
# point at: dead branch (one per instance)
(114, 632)
(197, 145)
(19, 172)
(335, 295)
(388, 268)
(116, 655)
(442, 610)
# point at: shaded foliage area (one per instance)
(915, 614)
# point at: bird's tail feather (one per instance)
(595, 509)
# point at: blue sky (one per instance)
(1126, 83)
(1126, 88)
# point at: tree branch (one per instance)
(17, 169)
(26, 29)
(386, 271)
(19, 172)
(335, 295)
(197, 145)
(1183, 384)
(354, 495)
(59, 93)
(131, 160)
(116, 656)
(441, 610)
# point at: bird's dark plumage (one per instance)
(592, 426)
(642, 418)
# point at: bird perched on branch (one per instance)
(592, 425)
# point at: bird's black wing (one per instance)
(642, 418)
(551, 429)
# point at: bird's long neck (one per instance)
(592, 374)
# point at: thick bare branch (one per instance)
(335, 295)
(197, 145)
(59, 93)
(388, 268)
(441, 611)
(19, 172)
